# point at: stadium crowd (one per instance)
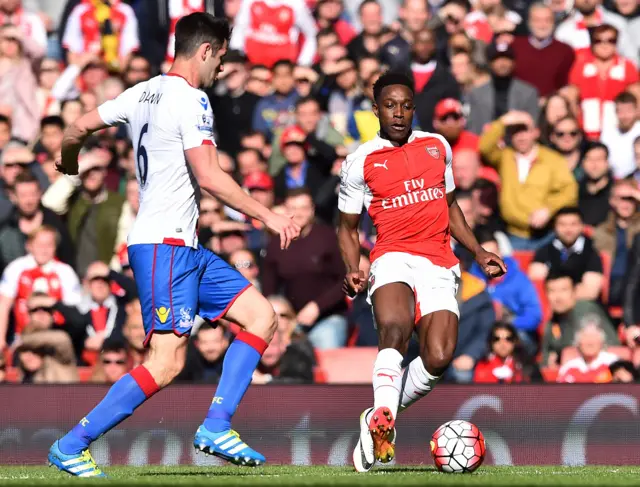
(539, 101)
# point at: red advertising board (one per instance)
(304, 425)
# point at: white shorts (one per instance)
(434, 287)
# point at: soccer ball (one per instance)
(458, 447)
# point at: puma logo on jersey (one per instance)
(384, 164)
(163, 313)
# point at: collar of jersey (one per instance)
(387, 143)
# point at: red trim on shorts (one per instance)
(254, 341)
(153, 300)
(179, 76)
(174, 241)
(145, 380)
(208, 142)
(224, 311)
(173, 314)
(417, 316)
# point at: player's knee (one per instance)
(438, 358)
(394, 333)
(265, 322)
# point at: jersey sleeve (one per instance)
(196, 122)
(352, 185)
(72, 39)
(117, 111)
(449, 184)
(10, 279)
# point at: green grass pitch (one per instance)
(320, 476)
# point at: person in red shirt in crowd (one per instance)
(592, 365)
(501, 365)
(177, 10)
(270, 30)
(38, 271)
(600, 76)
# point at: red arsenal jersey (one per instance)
(404, 190)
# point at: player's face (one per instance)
(568, 228)
(213, 64)
(301, 210)
(560, 293)
(43, 247)
(395, 111)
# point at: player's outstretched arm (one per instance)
(73, 139)
(349, 241)
(491, 264)
(211, 178)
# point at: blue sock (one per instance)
(122, 399)
(240, 361)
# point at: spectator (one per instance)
(232, 103)
(250, 161)
(531, 194)
(29, 24)
(28, 216)
(623, 372)
(245, 263)
(361, 312)
(329, 15)
(449, 121)
(284, 30)
(5, 132)
(631, 316)
(636, 173)
(298, 171)
(572, 253)
(46, 357)
(15, 160)
(113, 363)
(592, 365)
(502, 364)
(615, 235)
(556, 107)
(134, 335)
(310, 272)
(90, 209)
(466, 72)
(205, 354)
(128, 215)
(567, 313)
(38, 271)
(476, 319)
(502, 93)
(107, 29)
(566, 137)
(620, 139)
(138, 69)
(176, 10)
(51, 133)
(256, 140)
(514, 296)
(602, 67)
(368, 41)
(588, 15)
(396, 54)
(363, 125)
(466, 169)
(275, 111)
(343, 94)
(305, 80)
(541, 60)
(70, 110)
(432, 80)
(17, 86)
(48, 74)
(595, 188)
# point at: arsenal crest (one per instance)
(434, 152)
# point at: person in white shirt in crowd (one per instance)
(620, 139)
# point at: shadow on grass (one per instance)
(206, 472)
(414, 468)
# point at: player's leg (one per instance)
(156, 268)
(224, 292)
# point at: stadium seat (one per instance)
(347, 365)
(524, 258)
(570, 353)
(606, 271)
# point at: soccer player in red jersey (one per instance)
(404, 180)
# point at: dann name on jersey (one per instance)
(152, 98)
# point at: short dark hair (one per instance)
(593, 145)
(195, 29)
(257, 153)
(556, 274)
(113, 345)
(302, 191)
(485, 235)
(283, 62)
(306, 99)
(364, 3)
(327, 31)
(626, 365)
(463, 194)
(568, 210)
(52, 120)
(26, 177)
(599, 29)
(6, 120)
(626, 97)
(253, 133)
(502, 325)
(391, 78)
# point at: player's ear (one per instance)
(205, 49)
(375, 109)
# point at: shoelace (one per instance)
(86, 456)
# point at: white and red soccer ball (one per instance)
(458, 447)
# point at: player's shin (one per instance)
(417, 382)
(238, 366)
(122, 399)
(387, 374)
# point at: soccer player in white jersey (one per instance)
(172, 126)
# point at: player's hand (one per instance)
(284, 226)
(65, 169)
(354, 283)
(491, 264)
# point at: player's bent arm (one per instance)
(211, 178)
(459, 228)
(74, 138)
(349, 240)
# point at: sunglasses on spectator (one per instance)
(39, 308)
(261, 80)
(303, 80)
(498, 338)
(286, 316)
(244, 264)
(133, 69)
(451, 19)
(606, 40)
(572, 133)
(106, 361)
(453, 116)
